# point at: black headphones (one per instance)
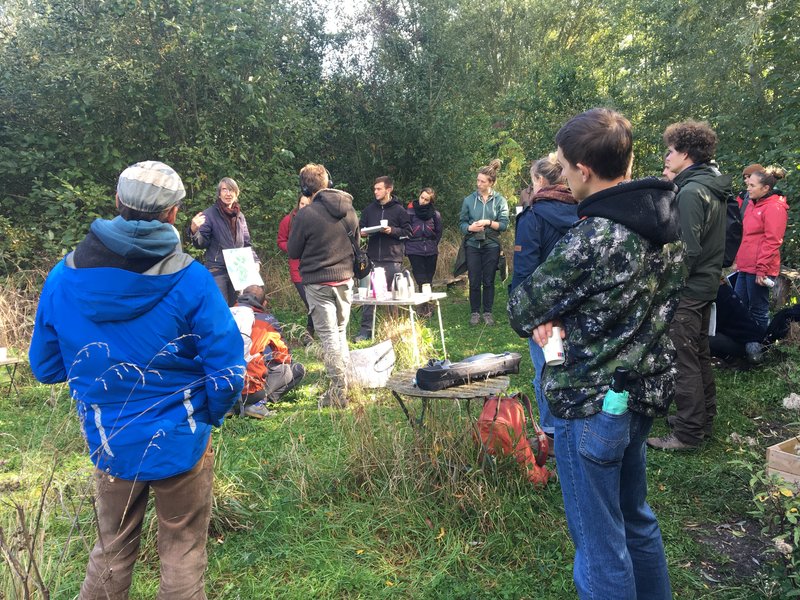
(307, 192)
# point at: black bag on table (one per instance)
(441, 374)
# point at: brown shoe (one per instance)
(669, 442)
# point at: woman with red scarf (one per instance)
(220, 227)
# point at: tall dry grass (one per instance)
(19, 296)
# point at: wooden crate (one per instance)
(783, 460)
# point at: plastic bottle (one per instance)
(616, 399)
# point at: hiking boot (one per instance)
(306, 339)
(234, 410)
(488, 318)
(754, 352)
(258, 410)
(475, 319)
(669, 442)
(361, 337)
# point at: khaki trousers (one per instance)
(183, 508)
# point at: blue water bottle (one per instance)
(616, 399)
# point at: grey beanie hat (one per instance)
(150, 186)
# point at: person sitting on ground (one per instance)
(270, 370)
(551, 211)
(759, 258)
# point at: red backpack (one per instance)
(501, 430)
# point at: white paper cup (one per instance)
(384, 222)
(3, 353)
(554, 349)
(362, 293)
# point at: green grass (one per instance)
(356, 504)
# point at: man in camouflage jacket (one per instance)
(612, 283)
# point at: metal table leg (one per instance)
(418, 422)
(441, 329)
(414, 333)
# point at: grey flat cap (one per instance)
(150, 186)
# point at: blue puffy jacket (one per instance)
(152, 360)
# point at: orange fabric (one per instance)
(263, 335)
(502, 431)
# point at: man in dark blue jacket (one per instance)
(387, 247)
(153, 359)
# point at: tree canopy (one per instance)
(426, 92)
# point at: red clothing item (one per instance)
(763, 227)
(284, 229)
(263, 336)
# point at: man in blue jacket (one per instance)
(153, 360)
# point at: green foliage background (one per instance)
(423, 91)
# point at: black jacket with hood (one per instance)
(384, 247)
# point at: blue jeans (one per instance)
(545, 416)
(754, 297)
(619, 553)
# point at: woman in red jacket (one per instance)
(759, 259)
(284, 229)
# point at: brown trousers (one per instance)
(183, 508)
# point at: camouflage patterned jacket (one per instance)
(613, 281)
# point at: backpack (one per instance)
(245, 317)
(362, 265)
(501, 430)
(733, 230)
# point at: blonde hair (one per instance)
(548, 167)
(491, 169)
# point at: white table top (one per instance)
(414, 301)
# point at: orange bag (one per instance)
(501, 430)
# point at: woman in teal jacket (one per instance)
(484, 214)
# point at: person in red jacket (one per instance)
(284, 229)
(759, 258)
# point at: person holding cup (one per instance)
(612, 283)
(484, 215)
(386, 247)
(550, 212)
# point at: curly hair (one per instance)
(695, 138)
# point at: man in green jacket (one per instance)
(702, 197)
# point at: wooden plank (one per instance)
(401, 383)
